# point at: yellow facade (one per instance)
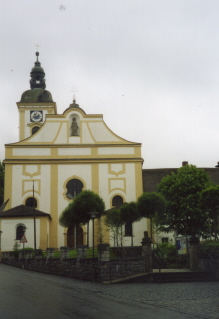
(102, 161)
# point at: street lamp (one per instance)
(93, 215)
(1, 240)
(24, 229)
(34, 222)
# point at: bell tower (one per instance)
(35, 103)
(37, 74)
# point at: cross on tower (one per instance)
(74, 90)
(37, 46)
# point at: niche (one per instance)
(74, 125)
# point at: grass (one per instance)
(72, 253)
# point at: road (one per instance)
(29, 295)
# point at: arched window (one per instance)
(117, 200)
(128, 229)
(31, 202)
(35, 129)
(74, 187)
(19, 232)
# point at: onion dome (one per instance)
(37, 74)
(37, 94)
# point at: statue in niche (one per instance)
(74, 127)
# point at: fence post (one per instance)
(103, 252)
(81, 252)
(64, 252)
(49, 253)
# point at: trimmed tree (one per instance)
(182, 192)
(85, 203)
(77, 212)
(151, 205)
(114, 222)
(68, 217)
(129, 214)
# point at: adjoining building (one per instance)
(152, 177)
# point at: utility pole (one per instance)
(34, 222)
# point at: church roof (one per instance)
(23, 211)
(36, 96)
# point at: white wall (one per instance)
(9, 233)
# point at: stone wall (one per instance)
(81, 269)
(209, 265)
(100, 269)
(152, 177)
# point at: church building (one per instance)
(58, 156)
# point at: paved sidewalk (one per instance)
(197, 299)
(184, 300)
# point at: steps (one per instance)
(185, 276)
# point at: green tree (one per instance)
(114, 222)
(151, 205)
(2, 174)
(77, 212)
(209, 203)
(182, 191)
(68, 217)
(129, 212)
(85, 203)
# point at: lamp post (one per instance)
(24, 229)
(34, 222)
(1, 240)
(93, 215)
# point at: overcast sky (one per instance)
(151, 67)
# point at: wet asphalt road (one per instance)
(25, 294)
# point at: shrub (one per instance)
(210, 247)
(167, 249)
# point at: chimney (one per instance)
(217, 164)
(185, 163)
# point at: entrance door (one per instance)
(71, 236)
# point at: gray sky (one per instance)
(151, 67)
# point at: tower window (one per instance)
(74, 187)
(35, 129)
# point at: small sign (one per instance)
(23, 239)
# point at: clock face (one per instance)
(36, 116)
